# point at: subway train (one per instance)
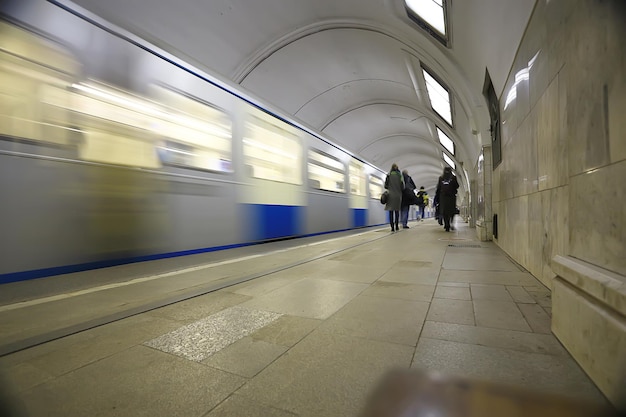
(113, 151)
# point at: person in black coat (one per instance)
(408, 198)
(446, 196)
(394, 183)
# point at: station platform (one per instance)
(303, 327)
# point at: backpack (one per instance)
(420, 198)
(446, 187)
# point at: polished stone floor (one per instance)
(297, 328)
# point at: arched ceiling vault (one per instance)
(351, 69)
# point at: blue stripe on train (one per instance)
(273, 221)
(359, 217)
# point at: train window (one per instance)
(117, 126)
(376, 187)
(357, 178)
(271, 151)
(34, 76)
(194, 134)
(326, 172)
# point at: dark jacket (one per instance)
(408, 196)
(446, 193)
(394, 183)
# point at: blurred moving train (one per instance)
(113, 151)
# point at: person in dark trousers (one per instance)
(394, 183)
(446, 196)
(422, 201)
(408, 198)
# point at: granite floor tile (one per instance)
(498, 338)
(453, 292)
(245, 357)
(499, 314)
(266, 284)
(546, 373)
(240, 406)
(453, 284)
(364, 273)
(425, 276)
(199, 340)
(326, 375)
(377, 318)
(286, 330)
(490, 292)
(134, 383)
(312, 298)
(519, 294)
(543, 298)
(475, 261)
(451, 311)
(488, 277)
(414, 292)
(536, 317)
(199, 307)
(91, 345)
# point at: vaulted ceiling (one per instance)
(350, 69)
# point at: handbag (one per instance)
(384, 197)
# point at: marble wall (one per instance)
(559, 191)
(482, 190)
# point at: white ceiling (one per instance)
(347, 68)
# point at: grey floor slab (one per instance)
(548, 373)
(378, 318)
(199, 340)
(326, 375)
(422, 275)
(286, 330)
(238, 405)
(536, 317)
(245, 357)
(499, 314)
(490, 292)
(404, 291)
(519, 294)
(136, 382)
(488, 277)
(477, 261)
(498, 338)
(313, 298)
(453, 292)
(451, 311)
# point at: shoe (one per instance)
(405, 227)
(397, 228)
(447, 229)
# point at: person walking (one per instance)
(394, 183)
(408, 198)
(446, 196)
(422, 202)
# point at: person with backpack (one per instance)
(422, 201)
(446, 196)
(394, 184)
(408, 198)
